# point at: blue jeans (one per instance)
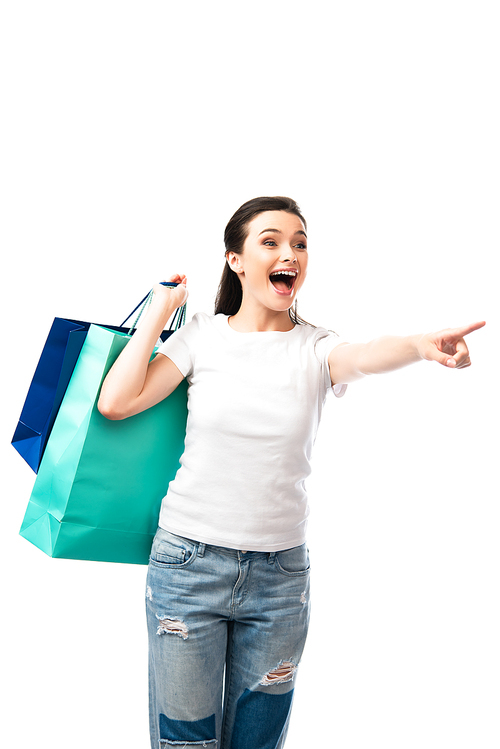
(226, 633)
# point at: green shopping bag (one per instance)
(99, 487)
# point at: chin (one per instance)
(281, 305)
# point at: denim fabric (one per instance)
(226, 632)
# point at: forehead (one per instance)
(282, 220)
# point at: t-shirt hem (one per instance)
(181, 366)
(290, 543)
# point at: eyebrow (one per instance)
(278, 231)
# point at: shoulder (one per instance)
(202, 328)
(186, 336)
(320, 343)
(318, 338)
(200, 319)
(200, 322)
(184, 345)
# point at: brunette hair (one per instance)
(230, 292)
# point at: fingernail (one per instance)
(451, 363)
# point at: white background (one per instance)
(131, 131)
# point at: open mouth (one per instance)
(283, 281)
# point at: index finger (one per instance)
(461, 332)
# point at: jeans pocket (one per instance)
(171, 550)
(293, 562)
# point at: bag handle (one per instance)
(178, 319)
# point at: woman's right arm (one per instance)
(133, 383)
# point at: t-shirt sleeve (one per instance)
(180, 347)
(325, 342)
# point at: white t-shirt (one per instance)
(254, 406)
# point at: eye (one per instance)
(270, 242)
(301, 246)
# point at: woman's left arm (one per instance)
(352, 361)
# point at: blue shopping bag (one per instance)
(52, 375)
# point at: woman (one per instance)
(228, 580)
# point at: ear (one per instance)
(234, 262)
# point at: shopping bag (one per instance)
(52, 375)
(100, 483)
(47, 388)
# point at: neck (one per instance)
(253, 319)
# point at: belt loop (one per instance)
(270, 558)
(201, 550)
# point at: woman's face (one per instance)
(273, 265)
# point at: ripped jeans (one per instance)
(226, 632)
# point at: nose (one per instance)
(288, 256)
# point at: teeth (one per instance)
(284, 273)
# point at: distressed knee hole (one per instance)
(280, 675)
(168, 626)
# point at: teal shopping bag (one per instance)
(100, 483)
